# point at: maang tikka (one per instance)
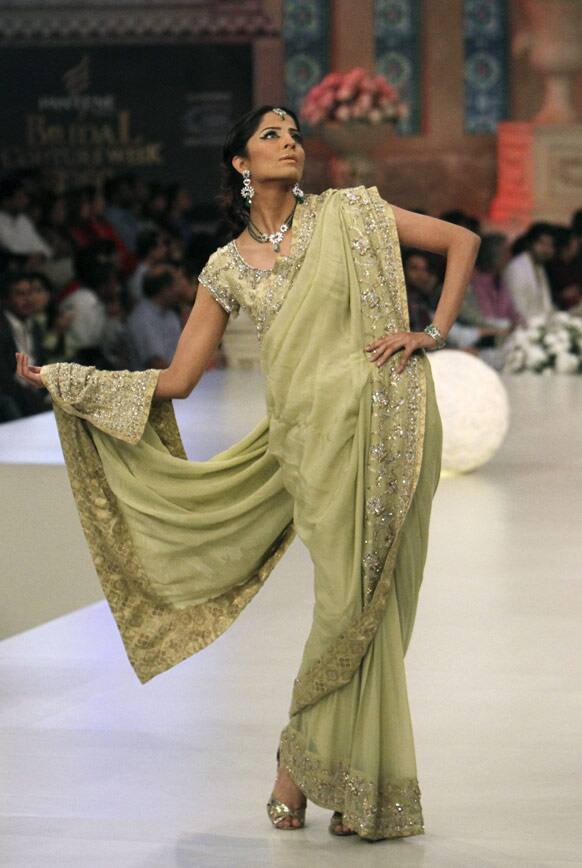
(248, 191)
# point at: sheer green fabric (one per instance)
(348, 457)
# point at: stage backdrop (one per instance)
(84, 114)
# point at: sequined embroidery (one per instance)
(396, 438)
(236, 284)
(156, 636)
(117, 403)
(375, 810)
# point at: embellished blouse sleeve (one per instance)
(215, 277)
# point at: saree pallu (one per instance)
(348, 457)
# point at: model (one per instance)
(348, 457)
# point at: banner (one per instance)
(85, 114)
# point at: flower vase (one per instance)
(357, 145)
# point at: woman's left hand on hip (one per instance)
(380, 350)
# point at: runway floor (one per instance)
(99, 770)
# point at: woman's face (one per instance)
(275, 151)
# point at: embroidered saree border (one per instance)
(156, 636)
(116, 402)
(391, 809)
(396, 438)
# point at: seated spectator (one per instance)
(102, 251)
(119, 210)
(19, 333)
(52, 227)
(488, 287)
(53, 323)
(422, 301)
(525, 274)
(153, 326)
(150, 250)
(186, 288)
(565, 269)
(177, 219)
(87, 225)
(155, 207)
(17, 232)
(87, 307)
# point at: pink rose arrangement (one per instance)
(356, 95)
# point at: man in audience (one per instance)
(87, 307)
(153, 326)
(487, 287)
(525, 274)
(17, 232)
(120, 199)
(150, 249)
(422, 293)
(19, 333)
(565, 269)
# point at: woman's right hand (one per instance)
(30, 373)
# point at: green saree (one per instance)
(348, 457)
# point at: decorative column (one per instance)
(540, 161)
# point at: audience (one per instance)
(87, 307)
(17, 232)
(423, 291)
(488, 286)
(565, 270)
(109, 277)
(525, 274)
(88, 226)
(154, 326)
(151, 248)
(19, 332)
(119, 194)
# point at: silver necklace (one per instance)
(276, 238)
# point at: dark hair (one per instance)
(155, 282)
(75, 199)
(9, 186)
(112, 186)
(461, 218)
(409, 252)
(98, 275)
(536, 230)
(146, 241)
(41, 277)
(230, 199)
(577, 221)
(489, 255)
(10, 279)
(563, 235)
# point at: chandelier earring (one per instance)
(248, 191)
(298, 192)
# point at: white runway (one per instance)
(99, 770)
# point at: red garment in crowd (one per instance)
(85, 234)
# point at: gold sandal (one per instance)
(335, 822)
(278, 810)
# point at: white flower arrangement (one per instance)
(546, 345)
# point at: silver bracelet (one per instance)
(433, 331)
